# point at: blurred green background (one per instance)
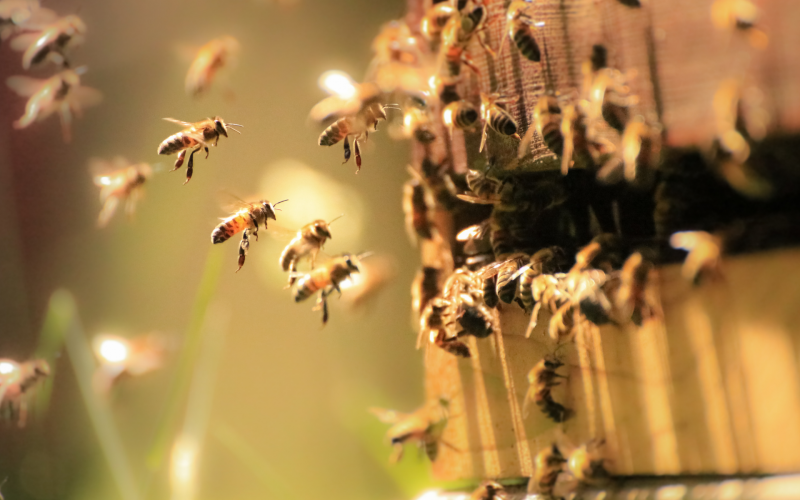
(285, 401)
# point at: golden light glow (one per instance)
(337, 83)
(183, 467)
(447, 116)
(113, 351)
(6, 368)
(429, 495)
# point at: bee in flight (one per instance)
(308, 242)
(246, 219)
(211, 57)
(357, 125)
(197, 135)
(62, 93)
(424, 426)
(50, 40)
(124, 183)
(118, 357)
(16, 382)
(326, 279)
(16, 14)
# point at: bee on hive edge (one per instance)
(211, 57)
(487, 490)
(587, 464)
(473, 317)
(62, 93)
(122, 184)
(506, 273)
(16, 382)
(518, 29)
(541, 377)
(497, 118)
(326, 279)
(50, 41)
(246, 219)
(308, 242)
(356, 125)
(424, 426)
(704, 257)
(424, 288)
(548, 464)
(194, 136)
(417, 205)
(544, 261)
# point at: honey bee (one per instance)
(197, 135)
(15, 14)
(308, 242)
(705, 254)
(423, 427)
(548, 464)
(547, 290)
(631, 298)
(604, 252)
(357, 125)
(450, 344)
(459, 115)
(518, 29)
(506, 272)
(496, 118)
(438, 181)
(740, 15)
(395, 43)
(62, 93)
(473, 317)
(455, 38)
(17, 380)
(489, 287)
(432, 319)
(417, 203)
(417, 124)
(246, 219)
(51, 41)
(641, 147)
(122, 184)
(487, 490)
(445, 89)
(485, 187)
(435, 20)
(211, 57)
(120, 357)
(547, 117)
(563, 322)
(587, 464)
(541, 379)
(326, 279)
(544, 261)
(424, 288)
(609, 98)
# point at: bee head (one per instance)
(220, 127)
(352, 262)
(269, 208)
(320, 229)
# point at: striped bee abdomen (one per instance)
(337, 131)
(502, 122)
(175, 143)
(506, 287)
(551, 135)
(466, 116)
(526, 44)
(228, 228)
(289, 257)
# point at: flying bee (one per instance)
(357, 125)
(542, 376)
(544, 261)
(424, 288)
(497, 118)
(17, 380)
(326, 279)
(194, 136)
(487, 490)
(15, 14)
(459, 115)
(246, 219)
(211, 57)
(51, 41)
(609, 98)
(417, 204)
(631, 298)
(120, 357)
(395, 43)
(587, 464)
(62, 93)
(373, 277)
(308, 242)
(705, 254)
(434, 21)
(548, 464)
(741, 15)
(423, 427)
(506, 272)
(122, 184)
(518, 29)
(473, 317)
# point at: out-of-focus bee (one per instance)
(705, 254)
(445, 89)
(487, 490)
(548, 464)
(395, 43)
(472, 237)
(631, 3)
(631, 298)
(308, 241)
(474, 318)
(547, 291)
(497, 118)
(417, 124)
(485, 188)
(246, 219)
(326, 279)
(211, 57)
(586, 291)
(544, 261)
(541, 379)
(357, 126)
(459, 115)
(456, 35)
(547, 117)
(562, 323)
(518, 29)
(641, 147)
(119, 356)
(424, 288)
(597, 60)
(423, 427)
(609, 98)
(194, 136)
(62, 93)
(417, 204)
(604, 252)
(506, 272)
(16, 382)
(124, 183)
(432, 319)
(15, 14)
(741, 15)
(587, 464)
(51, 41)
(435, 20)
(438, 181)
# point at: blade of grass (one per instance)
(80, 354)
(191, 347)
(273, 483)
(51, 341)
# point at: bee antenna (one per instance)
(364, 255)
(233, 125)
(334, 220)
(279, 202)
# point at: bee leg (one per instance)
(292, 272)
(346, 150)
(243, 246)
(358, 155)
(206, 148)
(179, 161)
(322, 302)
(255, 225)
(190, 166)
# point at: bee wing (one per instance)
(474, 199)
(388, 416)
(85, 97)
(24, 86)
(491, 269)
(474, 232)
(21, 42)
(108, 210)
(520, 271)
(333, 107)
(179, 122)
(40, 18)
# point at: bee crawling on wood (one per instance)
(423, 427)
(62, 93)
(473, 317)
(587, 463)
(519, 29)
(49, 41)
(433, 325)
(308, 242)
(17, 380)
(124, 183)
(418, 202)
(246, 219)
(705, 254)
(488, 490)
(541, 379)
(497, 118)
(326, 279)
(506, 272)
(194, 136)
(544, 261)
(424, 288)
(548, 464)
